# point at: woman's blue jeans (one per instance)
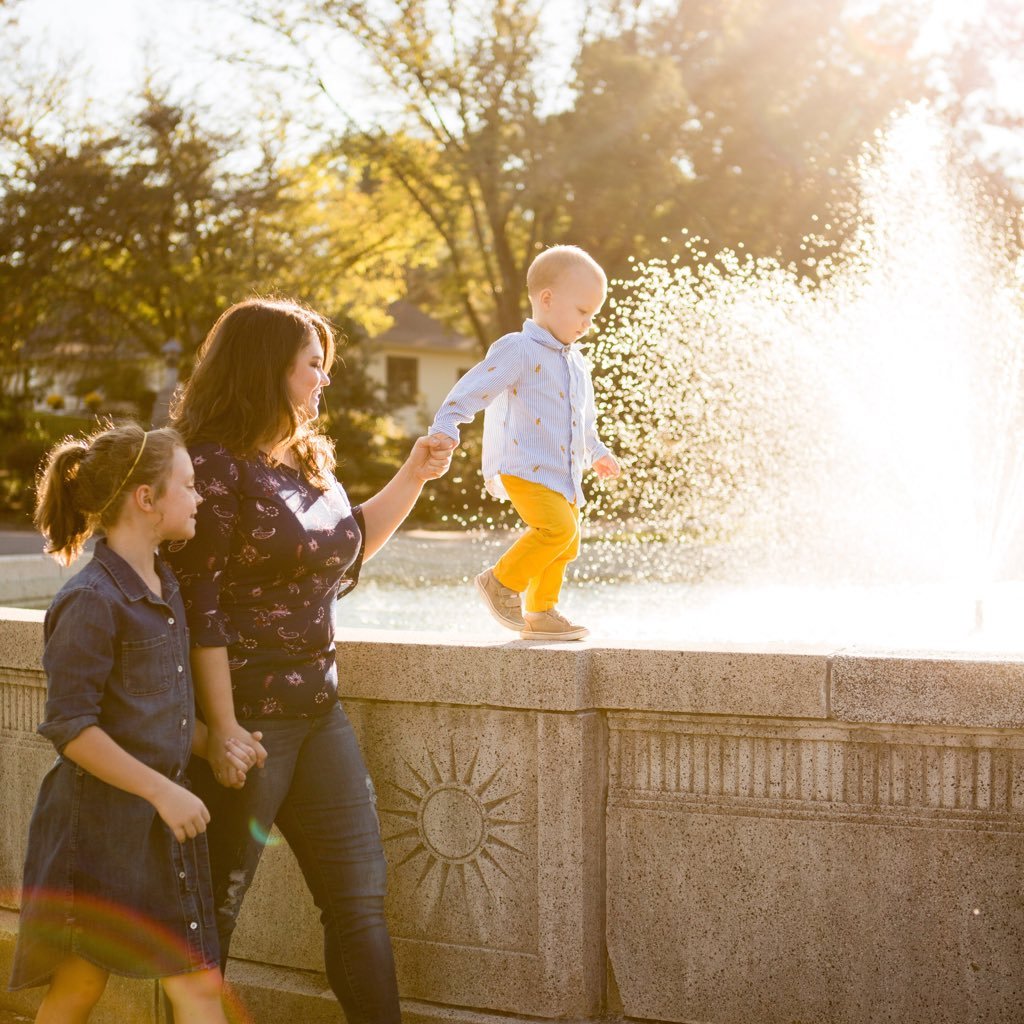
(316, 789)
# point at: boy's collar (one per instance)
(533, 330)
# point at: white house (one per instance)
(416, 361)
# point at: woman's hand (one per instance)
(431, 456)
(182, 811)
(232, 751)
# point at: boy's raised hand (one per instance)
(606, 467)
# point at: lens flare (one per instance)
(263, 836)
(120, 938)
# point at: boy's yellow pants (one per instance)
(536, 562)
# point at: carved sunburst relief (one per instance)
(454, 828)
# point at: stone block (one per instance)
(420, 667)
(279, 924)
(24, 760)
(731, 680)
(928, 688)
(492, 827)
(776, 873)
(21, 640)
(34, 578)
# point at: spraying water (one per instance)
(859, 419)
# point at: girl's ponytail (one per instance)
(82, 483)
(58, 516)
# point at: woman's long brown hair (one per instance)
(238, 395)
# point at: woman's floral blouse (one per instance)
(271, 555)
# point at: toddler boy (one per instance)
(539, 435)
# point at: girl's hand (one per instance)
(182, 811)
(431, 456)
(232, 751)
(606, 467)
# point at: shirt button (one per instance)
(181, 668)
(184, 722)
(181, 874)
(193, 926)
(170, 621)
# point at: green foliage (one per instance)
(482, 162)
(25, 437)
(120, 240)
(783, 98)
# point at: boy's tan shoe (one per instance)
(551, 625)
(502, 602)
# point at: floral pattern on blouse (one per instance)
(271, 556)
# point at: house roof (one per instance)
(60, 338)
(418, 331)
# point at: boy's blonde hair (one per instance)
(552, 263)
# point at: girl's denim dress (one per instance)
(104, 876)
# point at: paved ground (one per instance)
(20, 542)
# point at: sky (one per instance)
(114, 43)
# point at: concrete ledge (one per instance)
(718, 681)
(21, 639)
(929, 689)
(32, 577)
(580, 831)
(423, 667)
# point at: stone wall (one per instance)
(581, 832)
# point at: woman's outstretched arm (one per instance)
(386, 510)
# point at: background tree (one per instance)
(112, 241)
(480, 151)
(782, 99)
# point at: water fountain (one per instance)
(853, 425)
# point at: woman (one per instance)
(276, 544)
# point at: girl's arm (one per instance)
(386, 510)
(182, 811)
(224, 736)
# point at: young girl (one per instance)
(117, 876)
